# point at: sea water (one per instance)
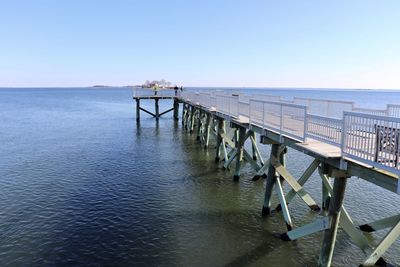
(84, 184)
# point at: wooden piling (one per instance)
(335, 205)
(199, 125)
(239, 151)
(192, 119)
(137, 109)
(183, 113)
(157, 108)
(176, 109)
(271, 178)
(219, 140)
(253, 145)
(207, 130)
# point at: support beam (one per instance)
(188, 116)
(165, 112)
(285, 210)
(380, 224)
(230, 157)
(176, 109)
(271, 179)
(239, 148)
(157, 108)
(375, 257)
(207, 130)
(192, 119)
(228, 140)
(137, 109)
(326, 194)
(262, 171)
(308, 229)
(256, 151)
(303, 179)
(148, 112)
(254, 148)
(183, 114)
(220, 129)
(253, 163)
(345, 221)
(295, 186)
(328, 244)
(199, 124)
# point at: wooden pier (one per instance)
(156, 95)
(345, 141)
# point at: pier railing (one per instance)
(227, 104)
(205, 100)
(244, 107)
(379, 112)
(324, 129)
(267, 97)
(149, 92)
(393, 110)
(371, 139)
(282, 118)
(370, 136)
(325, 108)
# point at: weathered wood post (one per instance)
(253, 145)
(176, 109)
(199, 125)
(239, 154)
(187, 116)
(282, 160)
(326, 196)
(220, 129)
(183, 114)
(207, 130)
(137, 109)
(192, 119)
(271, 179)
(328, 245)
(157, 108)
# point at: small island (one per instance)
(161, 84)
(100, 85)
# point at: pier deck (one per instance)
(344, 140)
(156, 95)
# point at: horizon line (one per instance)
(194, 86)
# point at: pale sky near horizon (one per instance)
(333, 44)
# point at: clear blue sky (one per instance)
(310, 43)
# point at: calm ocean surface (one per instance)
(82, 184)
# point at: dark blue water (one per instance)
(83, 184)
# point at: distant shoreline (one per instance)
(208, 87)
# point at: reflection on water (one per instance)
(84, 184)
